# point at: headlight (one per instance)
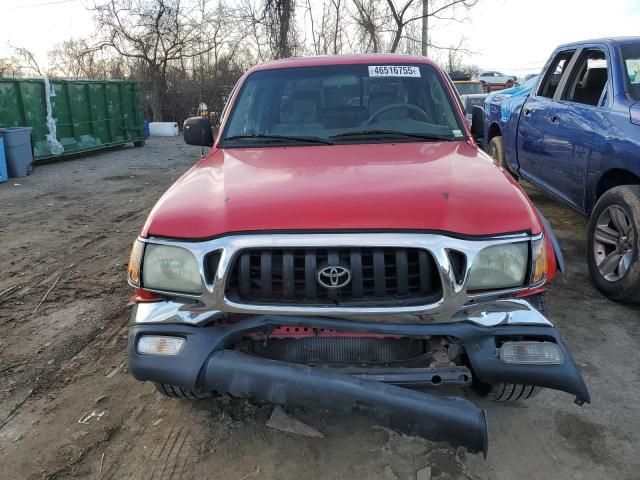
(172, 269)
(499, 266)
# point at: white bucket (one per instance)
(163, 129)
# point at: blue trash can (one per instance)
(17, 150)
(4, 176)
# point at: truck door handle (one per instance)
(527, 112)
(554, 119)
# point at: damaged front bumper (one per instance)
(206, 363)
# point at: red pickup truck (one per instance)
(345, 243)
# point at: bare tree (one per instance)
(253, 23)
(398, 14)
(410, 11)
(76, 59)
(280, 21)
(155, 34)
(454, 58)
(370, 20)
(327, 34)
(184, 52)
(425, 28)
(10, 66)
(27, 61)
(337, 33)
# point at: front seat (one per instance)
(591, 86)
(299, 114)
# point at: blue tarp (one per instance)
(4, 176)
(510, 98)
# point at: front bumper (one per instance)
(206, 363)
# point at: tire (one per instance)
(495, 149)
(139, 143)
(173, 391)
(505, 392)
(512, 392)
(613, 255)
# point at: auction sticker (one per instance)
(393, 71)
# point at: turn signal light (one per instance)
(135, 262)
(160, 345)
(534, 353)
(539, 265)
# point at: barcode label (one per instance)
(393, 71)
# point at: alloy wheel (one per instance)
(613, 243)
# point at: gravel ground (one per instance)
(65, 234)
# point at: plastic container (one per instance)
(17, 151)
(164, 129)
(3, 163)
(88, 115)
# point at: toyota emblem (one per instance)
(334, 276)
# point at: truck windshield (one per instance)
(631, 57)
(469, 88)
(342, 104)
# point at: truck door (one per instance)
(576, 127)
(531, 126)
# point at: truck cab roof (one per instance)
(374, 58)
(613, 41)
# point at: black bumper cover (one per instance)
(204, 364)
(449, 419)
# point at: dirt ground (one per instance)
(65, 234)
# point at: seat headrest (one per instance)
(377, 100)
(299, 111)
(595, 78)
(306, 95)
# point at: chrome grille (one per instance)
(379, 277)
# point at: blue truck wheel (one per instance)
(614, 244)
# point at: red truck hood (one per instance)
(441, 186)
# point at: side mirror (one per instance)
(477, 122)
(197, 131)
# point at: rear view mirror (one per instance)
(477, 122)
(198, 131)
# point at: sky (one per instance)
(513, 36)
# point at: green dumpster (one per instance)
(76, 116)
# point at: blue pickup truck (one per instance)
(575, 133)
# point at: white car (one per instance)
(496, 79)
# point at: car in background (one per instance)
(492, 80)
(471, 93)
(576, 135)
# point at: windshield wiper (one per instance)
(278, 137)
(398, 133)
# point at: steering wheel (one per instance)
(396, 106)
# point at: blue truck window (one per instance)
(554, 74)
(631, 55)
(588, 78)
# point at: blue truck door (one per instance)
(530, 135)
(532, 124)
(575, 128)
